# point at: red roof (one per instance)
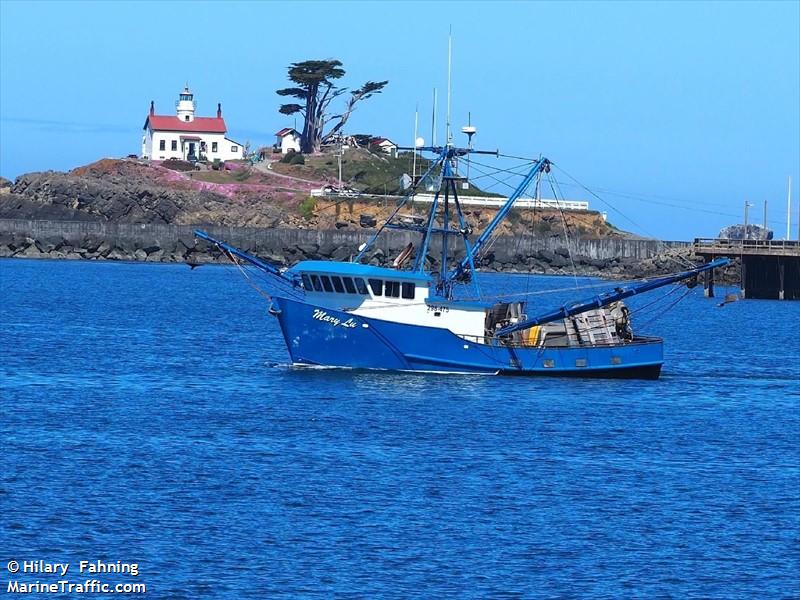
(173, 123)
(285, 131)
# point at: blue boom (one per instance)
(608, 298)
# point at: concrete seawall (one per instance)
(130, 237)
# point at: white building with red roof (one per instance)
(288, 140)
(384, 144)
(186, 136)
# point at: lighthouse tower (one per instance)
(186, 105)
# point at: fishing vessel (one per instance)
(409, 317)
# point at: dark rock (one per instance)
(342, 253)
(562, 252)
(342, 224)
(545, 255)
(366, 220)
(559, 261)
(308, 249)
(327, 250)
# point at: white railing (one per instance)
(480, 201)
(494, 201)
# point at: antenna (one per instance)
(433, 121)
(414, 160)
(448, 137)
(470, 131)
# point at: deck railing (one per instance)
(734, 247)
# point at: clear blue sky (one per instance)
(676, 112)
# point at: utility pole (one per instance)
(789, 212)
(747, 205)
(765, 217)
(341, 151)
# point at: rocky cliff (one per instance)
(140, 210)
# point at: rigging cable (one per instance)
(660, 244)
(566, 233)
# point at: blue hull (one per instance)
(316, 335)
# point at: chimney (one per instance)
(152, 107)
(219, 110)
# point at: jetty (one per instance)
(770, 268)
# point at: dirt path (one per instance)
(266, 167)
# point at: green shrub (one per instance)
(307, 206)
(241, 175)
(297, 159)
(287, 158)
(217, 164)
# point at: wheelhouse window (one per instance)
(316, 283)
(337, 284)
(408, 290)
(307, 282)
(361, 286)
(393, 289)
(326, 283)
(377, 286)
(348, 285)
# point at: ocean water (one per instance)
(148, 416)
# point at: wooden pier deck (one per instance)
(770, 268)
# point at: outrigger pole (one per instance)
(540, 165)
(619, 293)
(256, 262)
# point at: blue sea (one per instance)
(149, 416)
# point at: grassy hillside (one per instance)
(363, 170)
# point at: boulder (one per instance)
(342, 253)
(562, 251)
(366, 220)
(545, 255)
(559, 261)
(308, 249)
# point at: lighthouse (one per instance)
(185, 105)
(188, 137)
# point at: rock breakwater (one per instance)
(82, 240)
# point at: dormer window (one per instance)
(186, 118)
